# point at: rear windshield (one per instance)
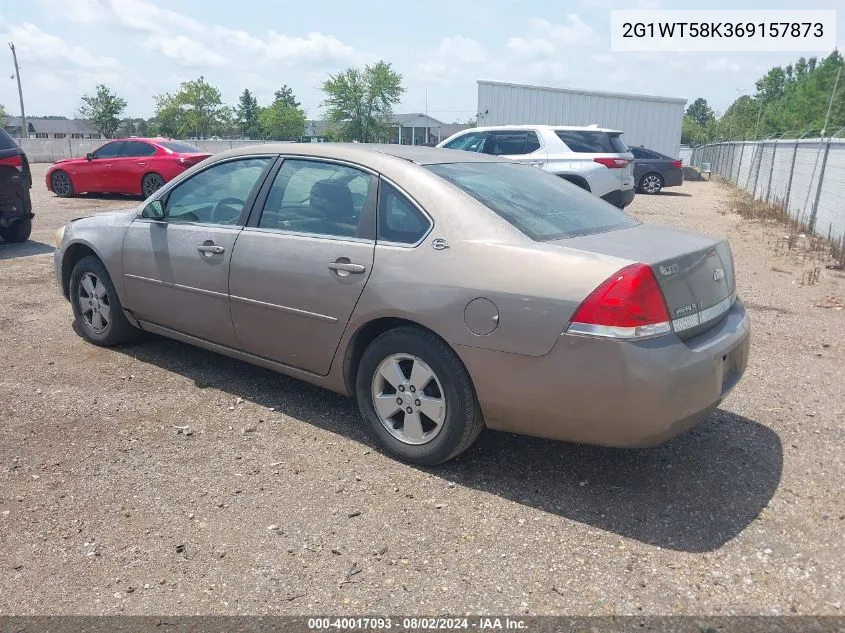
(6, 141)
(181, 148)
(586, 142)
(540, 204)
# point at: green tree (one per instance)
(247, 115)
(282, 121)
(195, 110)
(285, 95)
(360, 101)
(103, 109)
(692, 132)
(700, 111)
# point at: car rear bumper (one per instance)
(15, 204)
(610, 393)
(673, 178)
(620, 198)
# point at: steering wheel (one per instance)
(218, 207)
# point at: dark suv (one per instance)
(15, 183)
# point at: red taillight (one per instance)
(13, 161)
(191, 160)
(613, 163)
(627, 305)
(678, 164)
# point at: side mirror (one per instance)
(153, 211)
(89, 155)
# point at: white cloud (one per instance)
(450, 55)
(195, 44)
(36, 47)
(186, 51)
(573, 31)
(722, 64)
(535, 47)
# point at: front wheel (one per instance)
(651, 183)
(96, 307)
(417, 397)
(62, 184)
(18, 231)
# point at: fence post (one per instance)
(815, 210)
(771, 171)
(791, 173)
(739, 167)
(757, 173)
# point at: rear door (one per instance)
(128, 169)
(520, 145)
(301, 264)
(176, 265)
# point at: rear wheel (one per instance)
(651, 183)
(151, 183)
(417, 397)
(61, 184)
(18, 231)
(96, 308)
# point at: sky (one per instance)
(143, 47)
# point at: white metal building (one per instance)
(654, 122)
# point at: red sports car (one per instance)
(136, 166)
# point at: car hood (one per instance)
(70, 161)
(120, 217)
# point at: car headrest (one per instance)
(332, 199)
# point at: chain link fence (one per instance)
(804, 177)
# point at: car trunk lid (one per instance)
(695, 272)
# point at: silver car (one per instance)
(446, 291)
(594, 158)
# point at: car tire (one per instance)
(18, 231)
(151, 183)
(650, 183)
(409, 355)
(90, 284)
(61, 184)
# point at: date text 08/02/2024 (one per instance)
(417, 624)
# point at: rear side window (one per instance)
(589, 142)
(540, 204)
(6, 141)
(181, 148)
(512, 143)
(399, 221)
(138, 148)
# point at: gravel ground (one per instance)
(277, 502)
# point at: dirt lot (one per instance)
(105, 508)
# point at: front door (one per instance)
(94, 174)
(176, 261)
(300, 266)
(520, 145)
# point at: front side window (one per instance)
(216, 195)
(541, 205)
(399, 221)
(472, 142)
(109, 150)
(316, 197)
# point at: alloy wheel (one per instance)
(94, 303)
(61, 183)
(409, 399)
(152, 183)
(651, 184)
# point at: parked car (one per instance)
(594, 158)
(15, 182)
(400, 275)
(135, 166)
(653, 171)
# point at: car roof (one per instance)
(366, 152)
(533, 126)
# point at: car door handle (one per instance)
(349, 268)
(211, 248)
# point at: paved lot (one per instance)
(744, 514)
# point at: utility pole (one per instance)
(24, 124)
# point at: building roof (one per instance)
(53, 126)
(592, 93)
(416, 119)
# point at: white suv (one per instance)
(593, 158)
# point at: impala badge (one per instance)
(718, 275)
(669, 270)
